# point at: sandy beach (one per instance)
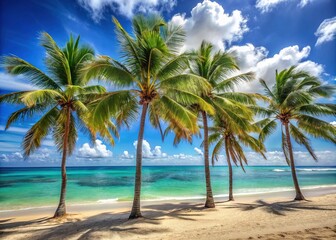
(259, 216)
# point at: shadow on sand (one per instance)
(105, 225)
(280, 208)
(116, 225)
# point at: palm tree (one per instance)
(61, 100)
(222, 74)
(292, 103)
(152, 78)
(229, 136)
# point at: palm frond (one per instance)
(32, 139)
(18, 66)
(300, 138)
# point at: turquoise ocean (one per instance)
(36, 187)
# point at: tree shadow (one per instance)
(104, 225)
(5, 220)
(281, 208)
(176, 210)
(21, 224)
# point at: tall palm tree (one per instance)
(230, 136)
(222, 74)
(152, 77)
(292, 103)
(61, 100)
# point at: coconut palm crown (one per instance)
(151, 77)
(59, 102)
(232, 142)
(222, 74)
(292, 103)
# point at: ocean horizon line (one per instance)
(299, 166)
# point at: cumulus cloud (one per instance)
(274, 158)
(99, 150)
(199, 151)
(182, 156)
(147, 152)
(41, 155)
(125, 7)
(248, 55)
(268, 5)
(255, 59)
(13, 157)
(126, 155)
(14, 83)
(333, 123)
(209, 21)
(326, 32)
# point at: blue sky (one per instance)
(266, 35)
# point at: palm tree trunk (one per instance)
(209, 203)
(299, 196)
(230, 173)
(61, 209)
(136, 213)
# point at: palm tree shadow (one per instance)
(281, 208)
(108, 224)
(21, 224)
(175, 210)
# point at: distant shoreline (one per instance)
(300, 166)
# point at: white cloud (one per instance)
(333, 123)
(147, 152)
(252, 58)
(14, 83)
(268, 5)
(126, 155)
(326, 32)
(208, 21)
(14, 129)
(125, 7)
(48, 143)
(41, 155)
(182, 156)
(13, 157)
(199, 151)
(274, 158)
(146, 149)
(303, 3)
(248, 55)
(99, 150)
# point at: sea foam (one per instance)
(110, 200)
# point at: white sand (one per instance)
(263, 216)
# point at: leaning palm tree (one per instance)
(292, 103)
(230, 136)
(61, 100)
(222, 74)
(152, 77)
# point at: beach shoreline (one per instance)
(310, 191)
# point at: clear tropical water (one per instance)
(33, 187)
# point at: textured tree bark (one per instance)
(299, 196)
(230, 173)
(209, 203)
(136, 212)
(61, 209)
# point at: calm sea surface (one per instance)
(33, 187)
